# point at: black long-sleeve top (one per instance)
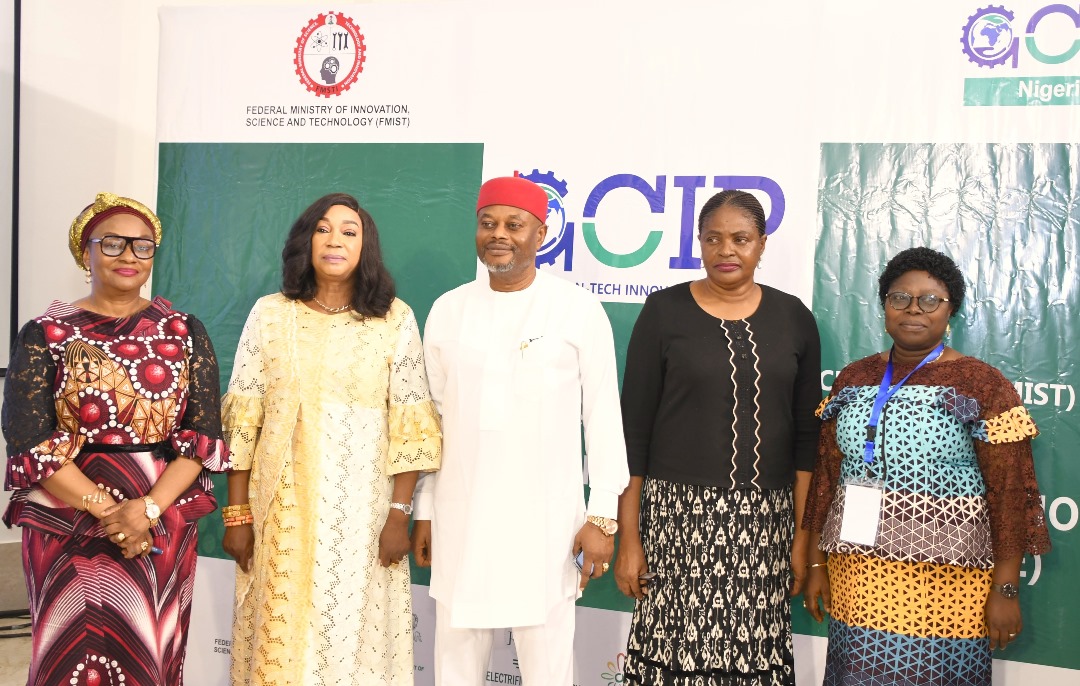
(719, 402)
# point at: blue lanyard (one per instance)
(887, 391)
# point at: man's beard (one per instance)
(503, 268)
(500, 268)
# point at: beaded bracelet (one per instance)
(239, 521)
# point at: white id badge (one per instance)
(862, 512)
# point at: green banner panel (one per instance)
(1013, 91)
(227, 208)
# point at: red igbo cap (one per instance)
(515, 192)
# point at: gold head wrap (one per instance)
(105, 205)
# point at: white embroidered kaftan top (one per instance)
(516, 376)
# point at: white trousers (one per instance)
(545, 651)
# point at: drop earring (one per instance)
(87, 275)
(948, 330)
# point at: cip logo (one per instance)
(991, 36)
(329, 54)
(658, 200)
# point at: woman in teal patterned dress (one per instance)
(929, 595)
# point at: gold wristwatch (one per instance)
(608, 526)
(153, 512)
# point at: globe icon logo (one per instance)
(556, 219)
(988, 38)
(991, 36)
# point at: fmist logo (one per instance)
(329, 54)
(1045, 43)
(622, 256)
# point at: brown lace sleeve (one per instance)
(35, 448)
(1017, 525)
(823, 484)
(1003, 447)
(198, 436)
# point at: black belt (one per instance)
(158, 449)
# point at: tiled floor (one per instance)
(14, 652)
(14, 660)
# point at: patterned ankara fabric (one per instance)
(717, 613)
(324, 410)
(954, 453)
(91, 389)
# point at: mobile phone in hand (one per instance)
(646, 577)
(579, 562)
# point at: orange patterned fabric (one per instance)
(1012, 425)
(821, 406)
(918, 599)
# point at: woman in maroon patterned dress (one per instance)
(112, 420)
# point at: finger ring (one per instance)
(120, 537)
(1012, 635)
(604, 567)
(144, 545)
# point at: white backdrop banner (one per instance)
(630, 116)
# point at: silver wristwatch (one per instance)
(1007, 590)
(404, 507)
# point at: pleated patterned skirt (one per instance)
(718, 612)
(102, 620)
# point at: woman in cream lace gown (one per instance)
(330, 422)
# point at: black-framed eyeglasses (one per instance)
(927, 303)
(114, 246)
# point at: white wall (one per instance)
(7, 81)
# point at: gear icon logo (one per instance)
(329, 54)
(989, 39)
(560, 235)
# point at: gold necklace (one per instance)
(332, 310)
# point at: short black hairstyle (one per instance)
(740, 200)
(936, 264)
(373, 287)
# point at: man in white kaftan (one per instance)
(518, 361)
